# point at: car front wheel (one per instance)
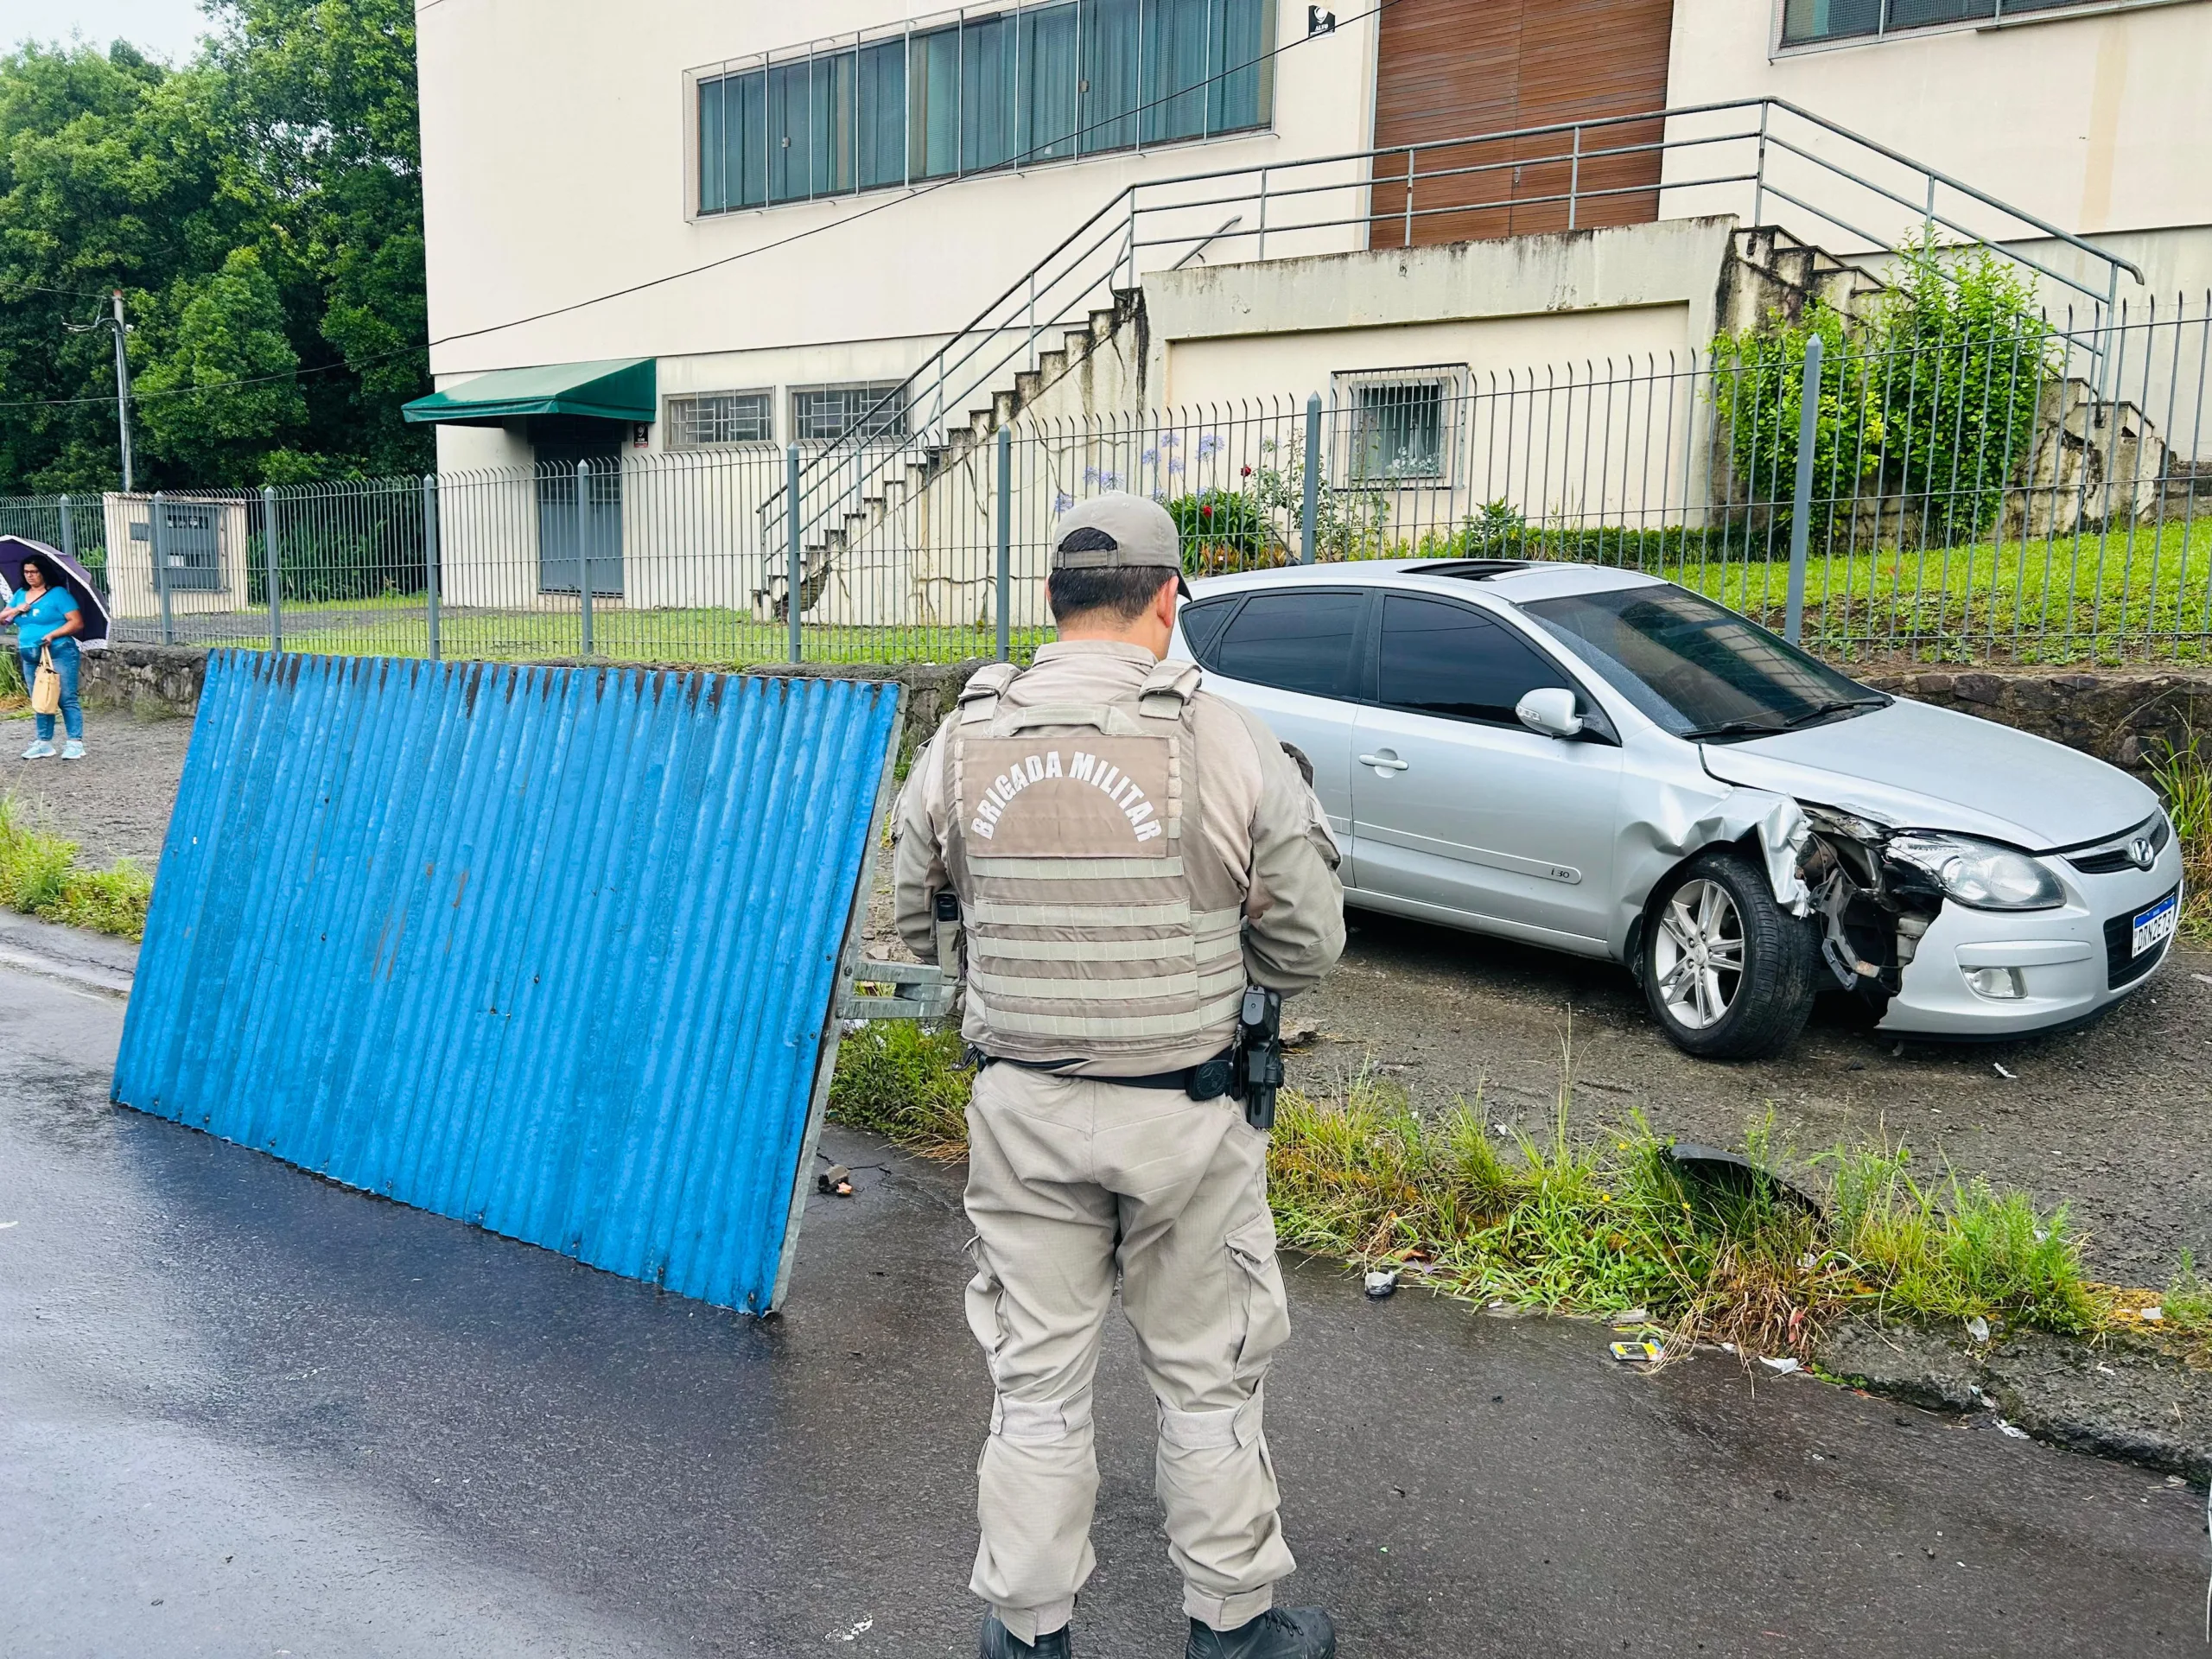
(1728, 972)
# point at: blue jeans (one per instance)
(64, 653)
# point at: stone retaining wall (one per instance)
(145, 679)
(2126, 716)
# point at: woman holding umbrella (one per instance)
(49, 619)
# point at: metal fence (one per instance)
(1972, 497)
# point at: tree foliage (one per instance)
(260, 207)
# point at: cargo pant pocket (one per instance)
(1263, 1316)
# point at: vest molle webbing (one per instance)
(1071, 825)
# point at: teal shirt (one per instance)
(53, 609)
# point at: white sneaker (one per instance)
(73, 749)
(41, 750)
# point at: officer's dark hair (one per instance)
(1125, 592)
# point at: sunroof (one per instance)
(1470, 569)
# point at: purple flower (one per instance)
(1207, 444)
(1062, 501)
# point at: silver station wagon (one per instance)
(1605, 763)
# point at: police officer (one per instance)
(1129, 852)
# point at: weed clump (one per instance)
(1608, 1223)
(2183, 777)
(905, 1079)
(40, 876)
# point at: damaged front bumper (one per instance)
(1934, 967)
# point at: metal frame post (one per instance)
(159, 543)
(1573, 176)
(1309, 512)
(1758, 170)
(123, 391)
(1006, 544)
(1801, 500)
(430, 559)
(583, 555)
(797, 578)
(274, 563)
(69, 533)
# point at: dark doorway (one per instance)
(563, 555)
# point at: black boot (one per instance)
(999, 1643)
(1278, 1633)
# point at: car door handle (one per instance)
(1385, 761)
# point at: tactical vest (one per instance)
(1071, 836)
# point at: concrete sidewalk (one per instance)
(244, 1411)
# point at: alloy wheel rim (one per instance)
(1698, 956)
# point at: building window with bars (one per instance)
(1003, 89)
(1399, 427)
(825, 414)
(720, 417)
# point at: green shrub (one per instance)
(40, 876)
(1927, 403)
(1221, 530)
(908, 1080)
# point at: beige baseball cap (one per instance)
(1118, 533)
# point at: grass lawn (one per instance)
(2132, 595)
(2128, 595)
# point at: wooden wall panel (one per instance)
(1450, 68)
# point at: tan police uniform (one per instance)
(1128, 851)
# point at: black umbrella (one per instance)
(13, 550)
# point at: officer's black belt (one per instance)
(1181, 1079)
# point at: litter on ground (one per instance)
(1782, 1366)
(1638, 1353)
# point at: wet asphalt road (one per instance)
(243, 1412)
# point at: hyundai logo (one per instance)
(2141, 854)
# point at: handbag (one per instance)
(45, 686)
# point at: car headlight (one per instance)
(1979, 874)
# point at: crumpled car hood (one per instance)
(1911, 765)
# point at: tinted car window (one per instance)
(1296, 642)
(1201, 624)
(1440, 659)
(1697, 668)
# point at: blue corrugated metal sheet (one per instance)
(552, 950)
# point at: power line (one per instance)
(910, 196)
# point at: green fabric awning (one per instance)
(616, 389)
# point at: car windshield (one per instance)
(1697, 668)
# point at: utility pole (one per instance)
(123, 390)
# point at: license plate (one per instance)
(2154, 926)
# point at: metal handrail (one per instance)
(1104, 249)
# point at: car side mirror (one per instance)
(1550, 709)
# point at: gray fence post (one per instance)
(275, 563)
(583, 552)
(69, 533)
(430, 558)
(1801, 500)
(797, 580)
(159, 543)
(1307, 514)
(1006, 544)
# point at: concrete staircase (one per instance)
(879, 498)
(1771, 273)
